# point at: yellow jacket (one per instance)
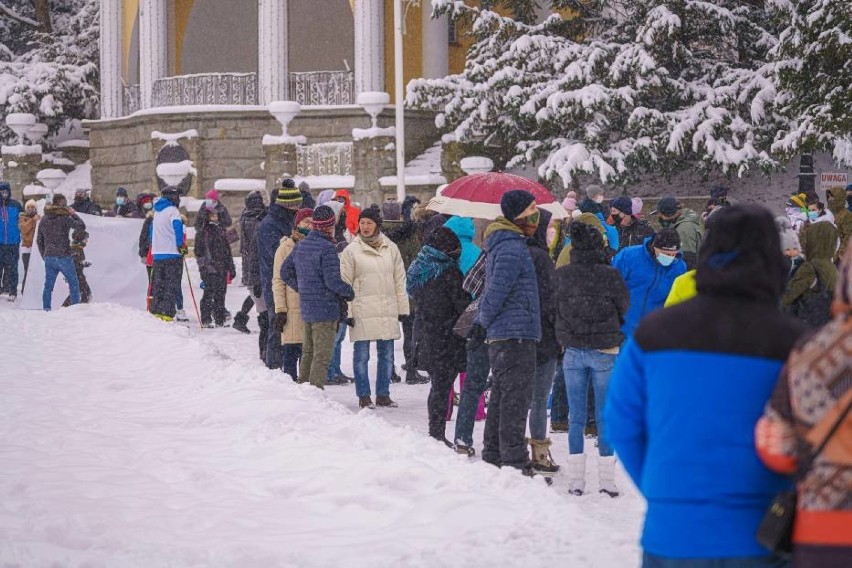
(683, 289)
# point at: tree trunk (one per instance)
(42, 15)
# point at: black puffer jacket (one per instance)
(634, 234)
(591, 296)
(250, 218)
(54, 230)
(213, 252)
(545, 273)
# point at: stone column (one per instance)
(111, 50)
(373, 158)
(272, 53)
(153, 48)
(369, 46)
(436, 51)
(20, 166)
(280, 162)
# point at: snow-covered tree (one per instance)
(649, 86)
(814, 75)
(49, 63)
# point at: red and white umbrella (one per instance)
(478, 196)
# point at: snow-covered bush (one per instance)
(54, 75)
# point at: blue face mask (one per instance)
(813, 215)
(665, 259)
(210, 203)
(120, 200)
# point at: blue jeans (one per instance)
(53, 266)
(584, 366)
(652, 561)
(559, 398)
(477, 369)
(361, 357)
(291, 354)
(334, 369)
(544, 371)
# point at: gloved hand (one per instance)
(402, 318)
(280, 322)
(202, 285)
(350, 322)
(183, 250)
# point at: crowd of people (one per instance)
(710, 353)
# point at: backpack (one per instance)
(814, 306)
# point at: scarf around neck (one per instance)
(374, 241)
(429, 264)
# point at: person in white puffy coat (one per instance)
(372, 265)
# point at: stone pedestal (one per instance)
(372, 158)
(20, 171)
(451, 156)
(280, 163)
(186, 148)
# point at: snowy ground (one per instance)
(125, 441)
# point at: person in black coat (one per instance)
(83, 203)
(434, 280)
(216, 266)
(250, 218)
(591, 303)
(547, 350)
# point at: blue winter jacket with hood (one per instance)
(10, 210)
(464, 230)
(279, 222)
(648, 281)
(509, 308)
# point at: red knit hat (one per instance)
(323, 218)
(303, 214)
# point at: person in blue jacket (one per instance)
(509, 311)
(464, 230)
(313, 270)
(594, 205)
(10, 242)
(687, 391)
(278, 222)
(649, 271)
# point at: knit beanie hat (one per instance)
(373, 214)
(790, 240)
(570, 201)
(797, 200)
(623, 204)
(514, 202)
(323, 218)
(444, 240)
(668, 206)
(638, 206)
(289, 195)
(585, 237)
(594, 191)
(121, 192)
(719, 192)
(30, 203)
(303, 214)
(667, 239)
(212, 194)
(392, 210)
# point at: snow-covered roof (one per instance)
(364, 133)
(21, 150)
(239, 184)
(172, 138)
(327, 182)
(272, 140)
(73, 144)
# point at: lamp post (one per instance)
(399, 100)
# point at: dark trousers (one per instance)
(408, 341)
(9, 269)
(165, 284)
(274, 357)
(248, 304)
(513, 366)
(292, 353)
(26, 258)
(213, 300)
(474, 385)
(263, 336)
(442, 380)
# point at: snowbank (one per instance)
(131, 442)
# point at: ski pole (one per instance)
(192, 293)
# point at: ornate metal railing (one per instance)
(206, 89)
(328, 158)
(323, 88)
(131, 99)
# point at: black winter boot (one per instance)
(240, 321)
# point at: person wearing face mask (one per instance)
(631, 231)
(808, 293)
(216, 267)
(27, 225)
(509, 311)
(10, 241)
(649, 270)
(212, 203)
(373, 266)
(688, 225)
(434, 280)
(124, 206)
(288, 316)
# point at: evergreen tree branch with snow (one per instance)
(649, 86)
(52, 74)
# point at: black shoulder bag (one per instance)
(775, 532)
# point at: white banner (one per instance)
(116, 275)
